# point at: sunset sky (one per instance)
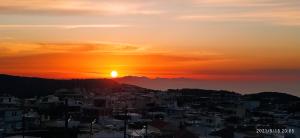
(199, 39)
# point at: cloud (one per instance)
(115, 51)
(13, 49)
(253, 74)
(41, 58)
(73, 60)
(78, 7)
(247, 3)
(275, 12)
(100, 47)
(267, 71)
(26, 57)
(22, 26)
(279, 12)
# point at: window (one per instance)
(14, 113)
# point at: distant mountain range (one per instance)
(241, 86)
(30, 87)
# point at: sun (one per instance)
(114, 74)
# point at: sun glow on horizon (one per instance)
(114, 74)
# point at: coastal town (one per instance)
(129, 112)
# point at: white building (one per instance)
(11, 119)
(49, 99)
(9, 100)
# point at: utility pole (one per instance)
(91, 127)
(66, 118)
(146, 127)
(125, 123)
(23, 124)
(23, 118)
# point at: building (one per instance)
(9, 101)
(11, 119)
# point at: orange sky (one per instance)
(202, 39)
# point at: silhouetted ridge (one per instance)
(29, 86)
(272, 97)
(203, 92)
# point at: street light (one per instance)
(91, 127)
(146, 130)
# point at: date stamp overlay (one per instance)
(274, 131)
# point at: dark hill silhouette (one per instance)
(30, 87)
(203, 92)
(272, 97)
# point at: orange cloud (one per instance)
(43, 58)
(276, 17)
(13, 49)
(98, 59)
(77, 7)
(20, 26)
